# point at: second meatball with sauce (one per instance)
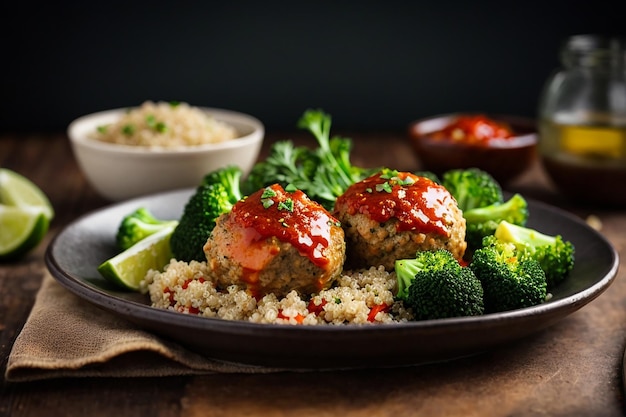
(276, 241)
(391, 215)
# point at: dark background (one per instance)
(370, 64)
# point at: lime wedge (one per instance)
(18, 191)
(25, 214)
(21, 229)
(128, 268)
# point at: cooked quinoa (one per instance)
(165, 125)
(361, 297)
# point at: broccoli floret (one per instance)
(480, 198)
(554, 254)
(472, 188)
(216, 195)
(435, 285)
(138, 225)
(230, 177)
(483, 221)
(509, 281)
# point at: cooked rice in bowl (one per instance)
(166, 125)
(360, 297)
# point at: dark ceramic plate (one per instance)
(77, 250)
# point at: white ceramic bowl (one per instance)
(119, 172)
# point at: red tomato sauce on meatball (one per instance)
(291, 217)
(416, 202)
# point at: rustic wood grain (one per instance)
(570, 369)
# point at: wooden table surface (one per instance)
(573, 368)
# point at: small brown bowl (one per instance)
(503, 159)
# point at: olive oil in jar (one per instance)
(590, 144)
(582, 121)
(587, 162)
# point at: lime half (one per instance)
(21, 229)
(18, 191)
(25, 215)
(128, 268)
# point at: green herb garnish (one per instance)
(385, 186)
(286, 205)
(161, 127)
(268, 193)
(323, 173)
(151, 120)
(266, 197)
(128, 129)
(388, 174)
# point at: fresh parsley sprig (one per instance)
(323, 173)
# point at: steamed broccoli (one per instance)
(483, 221)
(138, 225)
(472, 188)
(555, 255)
(435, 285)
(230, 177)
(216, 195)
(509, 281)
(481, 199)
(323, 173)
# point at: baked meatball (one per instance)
(391, 215)
(275, 241)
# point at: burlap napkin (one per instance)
(66, 336)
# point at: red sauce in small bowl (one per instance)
(504, 146)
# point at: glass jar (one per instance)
(582, 121)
